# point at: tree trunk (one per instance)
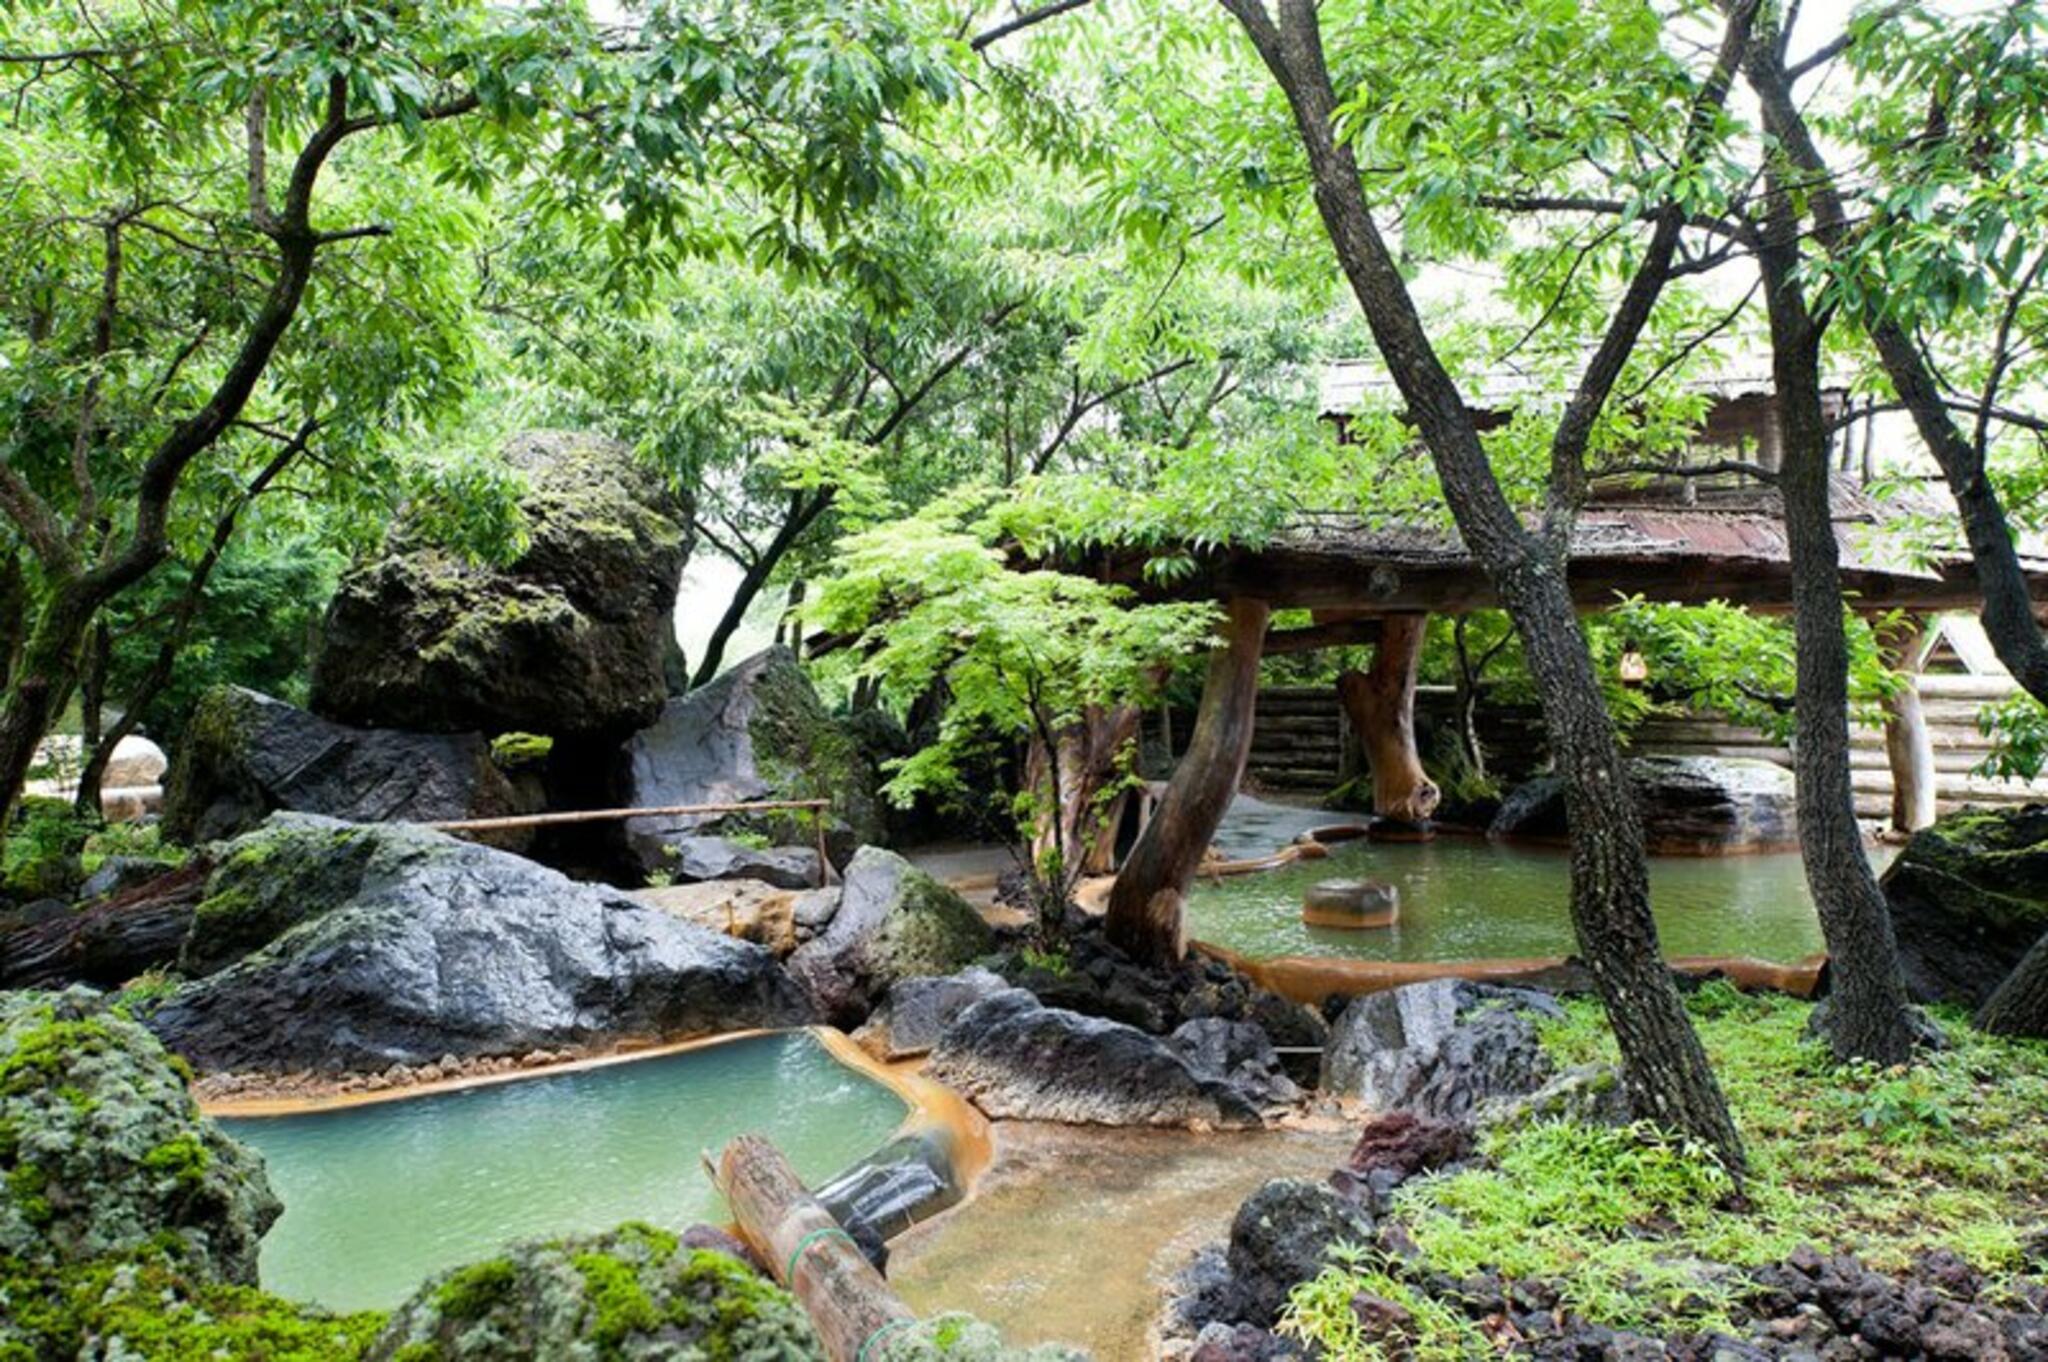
(1867, 1016)
(1664, 1070)
(1080, 830)
(800, 516)
(1381, 706)
(1145, 904)
(2008, 611)
(13, 614)
(2019, 1007)
(1908, 746)
(40, 687)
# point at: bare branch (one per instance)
(981, 41)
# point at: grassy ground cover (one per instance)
(1637, 1232)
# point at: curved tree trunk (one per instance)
(1381, 705)
(1082, 829)
(1145, 904)
(1867, 1015)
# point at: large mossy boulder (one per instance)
(634, 1293)
(1969, 897)
(245, 755)
(894, 922)
(371, 946)
(567, 640)
(1691, 806)
(103, 1152)
(757, 732)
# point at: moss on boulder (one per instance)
(567, 640)
(633, 1293)
(104, 1152)
(1969, 897)
(758, 732)
(962, 1338)
(894, 922)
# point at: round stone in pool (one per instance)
(1351, 904)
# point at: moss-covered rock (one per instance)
(758, 732)
(151, 1306)
(894, 922)
(389, 944)
(569, 639)
(104, 1152)
(634, 1293)
(1969, 896)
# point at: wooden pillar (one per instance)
(1146, 900)
(808, 1251)
(1380, 703)
(1908, 747)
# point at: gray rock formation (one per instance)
(397, 945)
(1282, 1236)
(917, 1012)
(1236, 1052)
(692, 860)
(105, 1151)
(1969, 897)
(1438, 1048)
(1690, 806)
(894, 922)
(567, 640)
(757, 732)
(1016, 1058)
(635, 1292)
(245, 755)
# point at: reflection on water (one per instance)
(1466, 899)
(377, 1197)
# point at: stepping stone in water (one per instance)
(1351, 904)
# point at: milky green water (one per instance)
(377, 1197)
(1467, 899)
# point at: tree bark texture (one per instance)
(1381, 705)
(2019, 1007)
(1868, 1016)
(1664, 1070)
(1145, 905)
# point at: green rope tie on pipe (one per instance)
(883, 1332)
(822, 1232)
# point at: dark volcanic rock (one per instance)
(1018, 1059)
(635, 1292)
(1240, 1053)
(893, 922)
(757, 732)
(105, 1150)
(917, 1012)
(246, 755)
(398, 945)
(1969, 897)
(568, 640)
(1690, 805)
(1439, 1048)
(1282, 1236)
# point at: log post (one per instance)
(1380, 703)
(1908, 747)
(1144, 916)
(808, 1251)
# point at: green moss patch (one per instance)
(1636, 1230)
